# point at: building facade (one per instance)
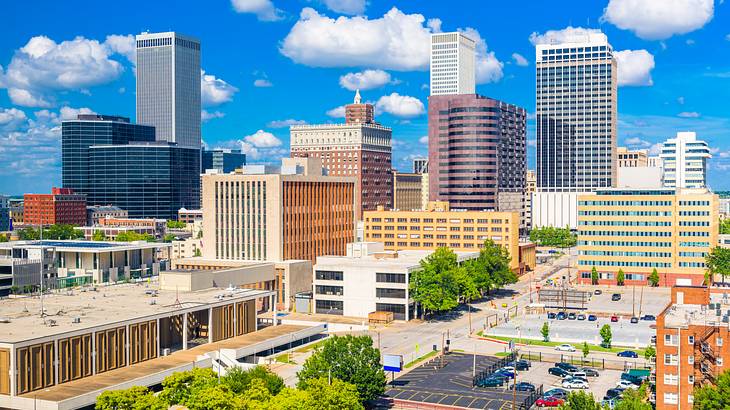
(224, 160)
(189, 216)
(684, 160)
(61, 206)
(439, 226)
(530, 188)
(168, 86)
(631, 158)
(639, 230)
(420, 165)
(96, 212)
(476, 152)
(407, 190)
(358, 149)
(452, 64)
(295, 213)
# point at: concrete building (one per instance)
(296, 212)
(224, 160)
(530, 188)
(684, 161)
(424, 190)
(96, 212)
(187, 248)
(655, 161)
(168, 87)
(576, 124)
(476, 152)
(189, 215)
(453, 68)
(356, 149)
(111, 227)
(359, 112)
(440, 225)
(631, 158)
(639, 230)
(407, 188)
(61, 206)
(369, 279)
(639, 177)
(420, 165)
(4, 214)
(17, 211)
(724, 207)
(690, 344)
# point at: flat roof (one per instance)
(85, 246)
(104, 305)
(406, 259)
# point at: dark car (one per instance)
(566, 366)
(505, 374)
(551, 315)
(612, 394)
(634, 319)
(581, 317)
(637, 380)
(520, 364)
(571, 316)
(615, 297)
(523, 386)
(557, 392)
(650, 318)
(561, 316)
(558, 372)
(589, 371)
(627, 353)
(491, 382)
(597, 292)
(592, 318)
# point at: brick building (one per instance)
(61, 206)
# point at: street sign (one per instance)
(392, 362)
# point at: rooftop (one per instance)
(20, 318)
(716, 313)
(84, 246)
(405, 259)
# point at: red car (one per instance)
(614, 318)
(549, 402)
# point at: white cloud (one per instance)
(658, 19)
(680, 100)
(337, 112)
(400, 105)
(688, 114)
(30, 147)
(215, 91)
(690, 42)
(423, 140)
(520, 60)
(567, 34)
(346, 6)
(206, 115)
(262, 139)
(434, 24)
(636, 142)
(263, 9)
(68, 113)
(124, 45)
(365, 80)
(634, 67)
(488, 67)
(43, 66)
(285, 123)
(11, 118)
(262, 83)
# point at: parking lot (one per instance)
(646, 301)
(538, 374)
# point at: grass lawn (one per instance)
(578, 346)
(284, 358)
(428, 355)
(502, 354)
(309, 347)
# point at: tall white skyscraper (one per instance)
(168, 87)
(452, 64)
(685, 161)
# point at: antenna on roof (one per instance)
(177, 298)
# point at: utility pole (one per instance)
(514, 386)
(468, 306)
(443, 337)
(474, 363)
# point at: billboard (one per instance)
(392, 362)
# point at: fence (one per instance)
(582, 361)
(491, 368)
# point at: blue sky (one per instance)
(269, 63)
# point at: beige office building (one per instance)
(264, 214)
(631, 158)
(407, 191)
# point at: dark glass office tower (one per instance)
(224, 160)
(93, 129)
(149, 180)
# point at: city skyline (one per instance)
(251, 94)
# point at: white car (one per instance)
(565, 348)
(575, 384)
(625, 384)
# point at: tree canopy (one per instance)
(580, 400)
(352, 359)
(718, 262)
(724, 226)
(551, 236)
(710, 397)
(176, 224)
(606, 336)
(131, 236)
(58, 232)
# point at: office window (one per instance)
(670, 398)
(670, 359)
(671, 379)
(690, 398)
(719, 361)
(718, 341)
(690, 360)
(691, 340)
(691, 379)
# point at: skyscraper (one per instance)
(168, 87)
(576, 124)
(685, 161)
(452, 64)
(224, 160)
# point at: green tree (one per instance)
(586, 350)
(580, 400)
(134, 398)
(168, 238)
(491, 268)
(197, 252)
(98, 236)
(724, 226)
(434, 286)
(711, 397)
(213, 397)
(293, 399)
(634, 399)
(239, 380)
(131, 236)
(551, 236)
(4, 238)
(620, 277)
(176, 224)
(62, 232)
(606, 336)
(654, 278)
(594, 276)
(29, 234)
(649, 352)
(718, 262)
(338, 395)
(352, 359)
(466, 288)
(179, 387)
(545, 331)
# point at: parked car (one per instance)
(597, 292)
(625, 384)
(505, 374)
(575, 384)
(614, 318)
(491, 382)
(650, 318)
(551, 315)
(613, 393)
(581, 317)
(592, 318)
(550, 401)
(637, 380)
(569, 378)
(566, 366)
(520, 365)
(523, 386)
(634, 319)
(558, 372)
(562, 316)
(556, 392)
(589, 372)
(616, 297)
(628, 353)
(571, 316)
(579, 374)
(565, 348)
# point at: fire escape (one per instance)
(705, 357)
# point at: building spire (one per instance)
(357, 96)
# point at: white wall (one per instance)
(558, 209)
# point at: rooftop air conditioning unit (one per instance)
(76, 320)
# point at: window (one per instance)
(328, 275)
(390, 277)
(691, 340)
(671, 359)
(670, 398)
(690, 360)
(671, 379)
(390, 293)
(691, 379)
(719, 361)
(328, 290)
(670, 340)
(330, 307)
(718, 341)
(690, 398)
